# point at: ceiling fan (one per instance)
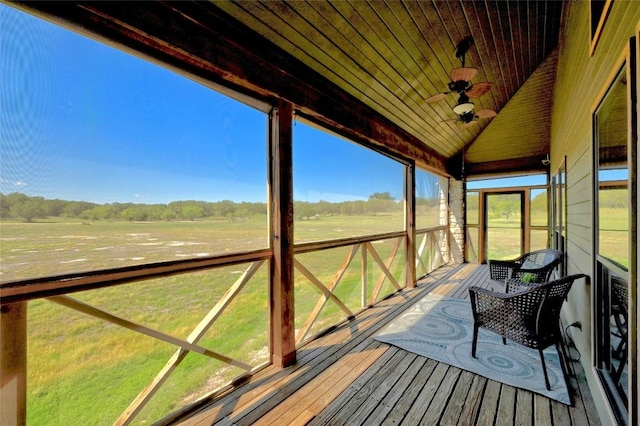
(461, 84)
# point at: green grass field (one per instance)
(75, 360)
(40, 249)
(84, 371)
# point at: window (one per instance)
(611, 217)
(431, 200)
(111, 161)
(613, 214)
(342, 189)
(432, 242)
(539, 220)
(612, 177)
(599, 9)
(506, 217)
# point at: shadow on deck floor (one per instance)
(346, 377)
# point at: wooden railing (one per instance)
(14, 299)
(375, 277)
(432, 249)
(365, 246)
(471, 251)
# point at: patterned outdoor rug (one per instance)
(441, 328)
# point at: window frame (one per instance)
(597, 21)
(604, 268)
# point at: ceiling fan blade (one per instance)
(469, 124)
(464, 74)
(478, 90)
(464, 124)
(486, 113)
(436, 98)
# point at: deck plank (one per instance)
(442, 394)
(506, 406)
(471, 408)
(425, 396)
(315, 357)
(375, 391)
(455, 407)
(560, 413)
(584, 412)
(282, 393)
(347, 377)
(407, 400)
(524, 408)
(325, 387)
(382, 410)
(489, 407)
(542, 410)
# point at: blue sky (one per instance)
(83, 121)
(507, 182)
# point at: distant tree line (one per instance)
(18, 206)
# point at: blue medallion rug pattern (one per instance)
(441, 328)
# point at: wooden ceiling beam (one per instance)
(519, 165)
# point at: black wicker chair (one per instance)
(531, 267)
(530, 316)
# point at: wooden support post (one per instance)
(634, 262)
(482, 227)
(465, 229)
(283, 345)
(13, 363)
(364, 275)
(526, 220)
(410, 224)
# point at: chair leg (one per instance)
(474, 343)
(544, 369)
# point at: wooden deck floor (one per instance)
(348, 378)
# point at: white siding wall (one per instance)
(581, 81)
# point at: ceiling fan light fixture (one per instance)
(463, 108)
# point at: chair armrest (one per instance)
(485, 292)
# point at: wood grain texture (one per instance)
(346, 377)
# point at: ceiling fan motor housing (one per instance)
(467, 117)
(460, 86)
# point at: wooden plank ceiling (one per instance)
(392, 55)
